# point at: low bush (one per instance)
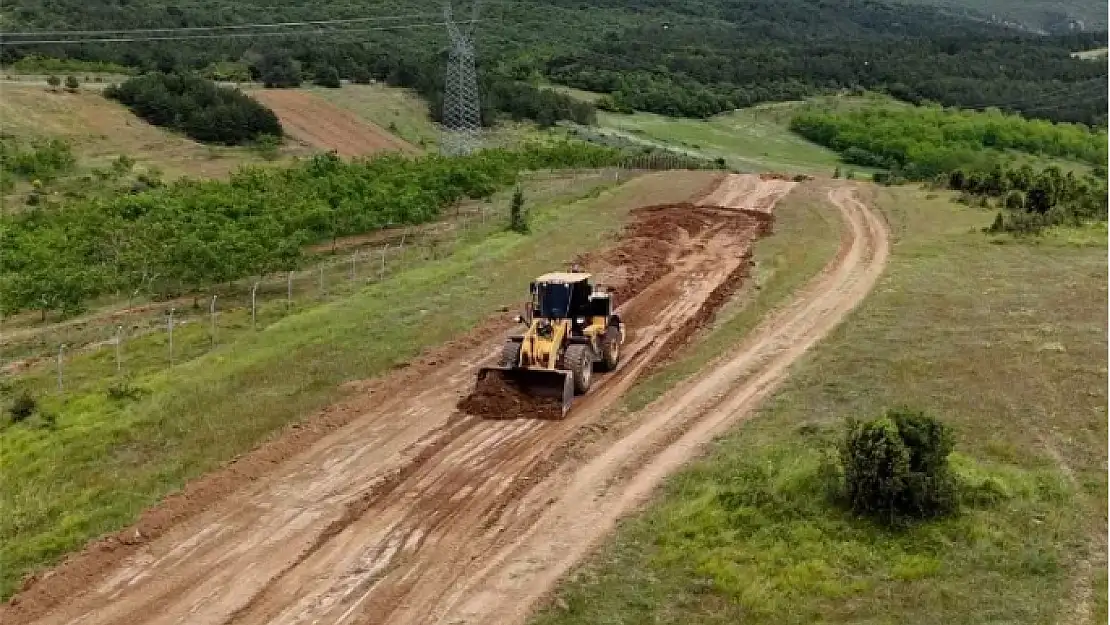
(23, 407)
(895, 468)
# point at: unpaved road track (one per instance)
(415, 513)
(321, 124)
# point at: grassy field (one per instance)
(404, 113)
(1005, 341)
(100, 130)
(95, 463)
(401, 111)
(754, 139)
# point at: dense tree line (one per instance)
(667, 56)
(921, 142)
(190, 234)
(197, 107)
(1030, 200)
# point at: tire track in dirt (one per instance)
(387, 519)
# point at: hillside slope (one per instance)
(663, 56)
(101, 130)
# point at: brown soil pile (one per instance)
(494, 397)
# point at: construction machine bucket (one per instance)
(551, 384)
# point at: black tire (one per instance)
(610, 350)
(510, 355)
(577, 359)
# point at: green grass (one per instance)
(1005, 340)
(754, 139)
(401, 111)
(404, 113)
(103, 461)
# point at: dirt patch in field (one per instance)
(321, 124)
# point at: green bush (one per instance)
(23, 407)
(895, 468)
(196, 106)
(124, 391)
(518, 217)
(327, 76)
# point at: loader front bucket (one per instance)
(545, 383)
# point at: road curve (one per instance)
(415, 513)
(590, 499)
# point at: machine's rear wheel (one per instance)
(510, 355)
(577, 359)
(610, 349)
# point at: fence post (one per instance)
(385, 249)
(169, 329)
(289, 290)
(321, 280)
(212, 313)
(254, 306)
(119, 341)
(354, 261)
(61, 352)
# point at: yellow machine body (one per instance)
(570, 328)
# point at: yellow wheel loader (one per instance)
(571, 329)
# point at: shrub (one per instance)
(267, 146)
(327, 76)
(196, 106)
(53, 81)
(518, 218)
(72, 84)
(895, 467)
(124, 391)
(360, 75)
(23, 407)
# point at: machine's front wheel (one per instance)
(577, 359)
(610, 349)
(510, 355)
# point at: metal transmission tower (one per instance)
(462, 120)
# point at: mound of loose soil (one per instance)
(494, 397)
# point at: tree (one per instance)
(327, 76)
(53, 81)
(198, 107)
(361, 75)
(277, 70)
(72, 84)
(518, 216)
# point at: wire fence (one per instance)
(134, 338)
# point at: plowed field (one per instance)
(321, 124)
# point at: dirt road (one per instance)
(415, 513)
(323, 125)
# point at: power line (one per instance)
(233, 35)
(223, 27)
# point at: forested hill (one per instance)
(669, 56)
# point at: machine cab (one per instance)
(568, 296)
